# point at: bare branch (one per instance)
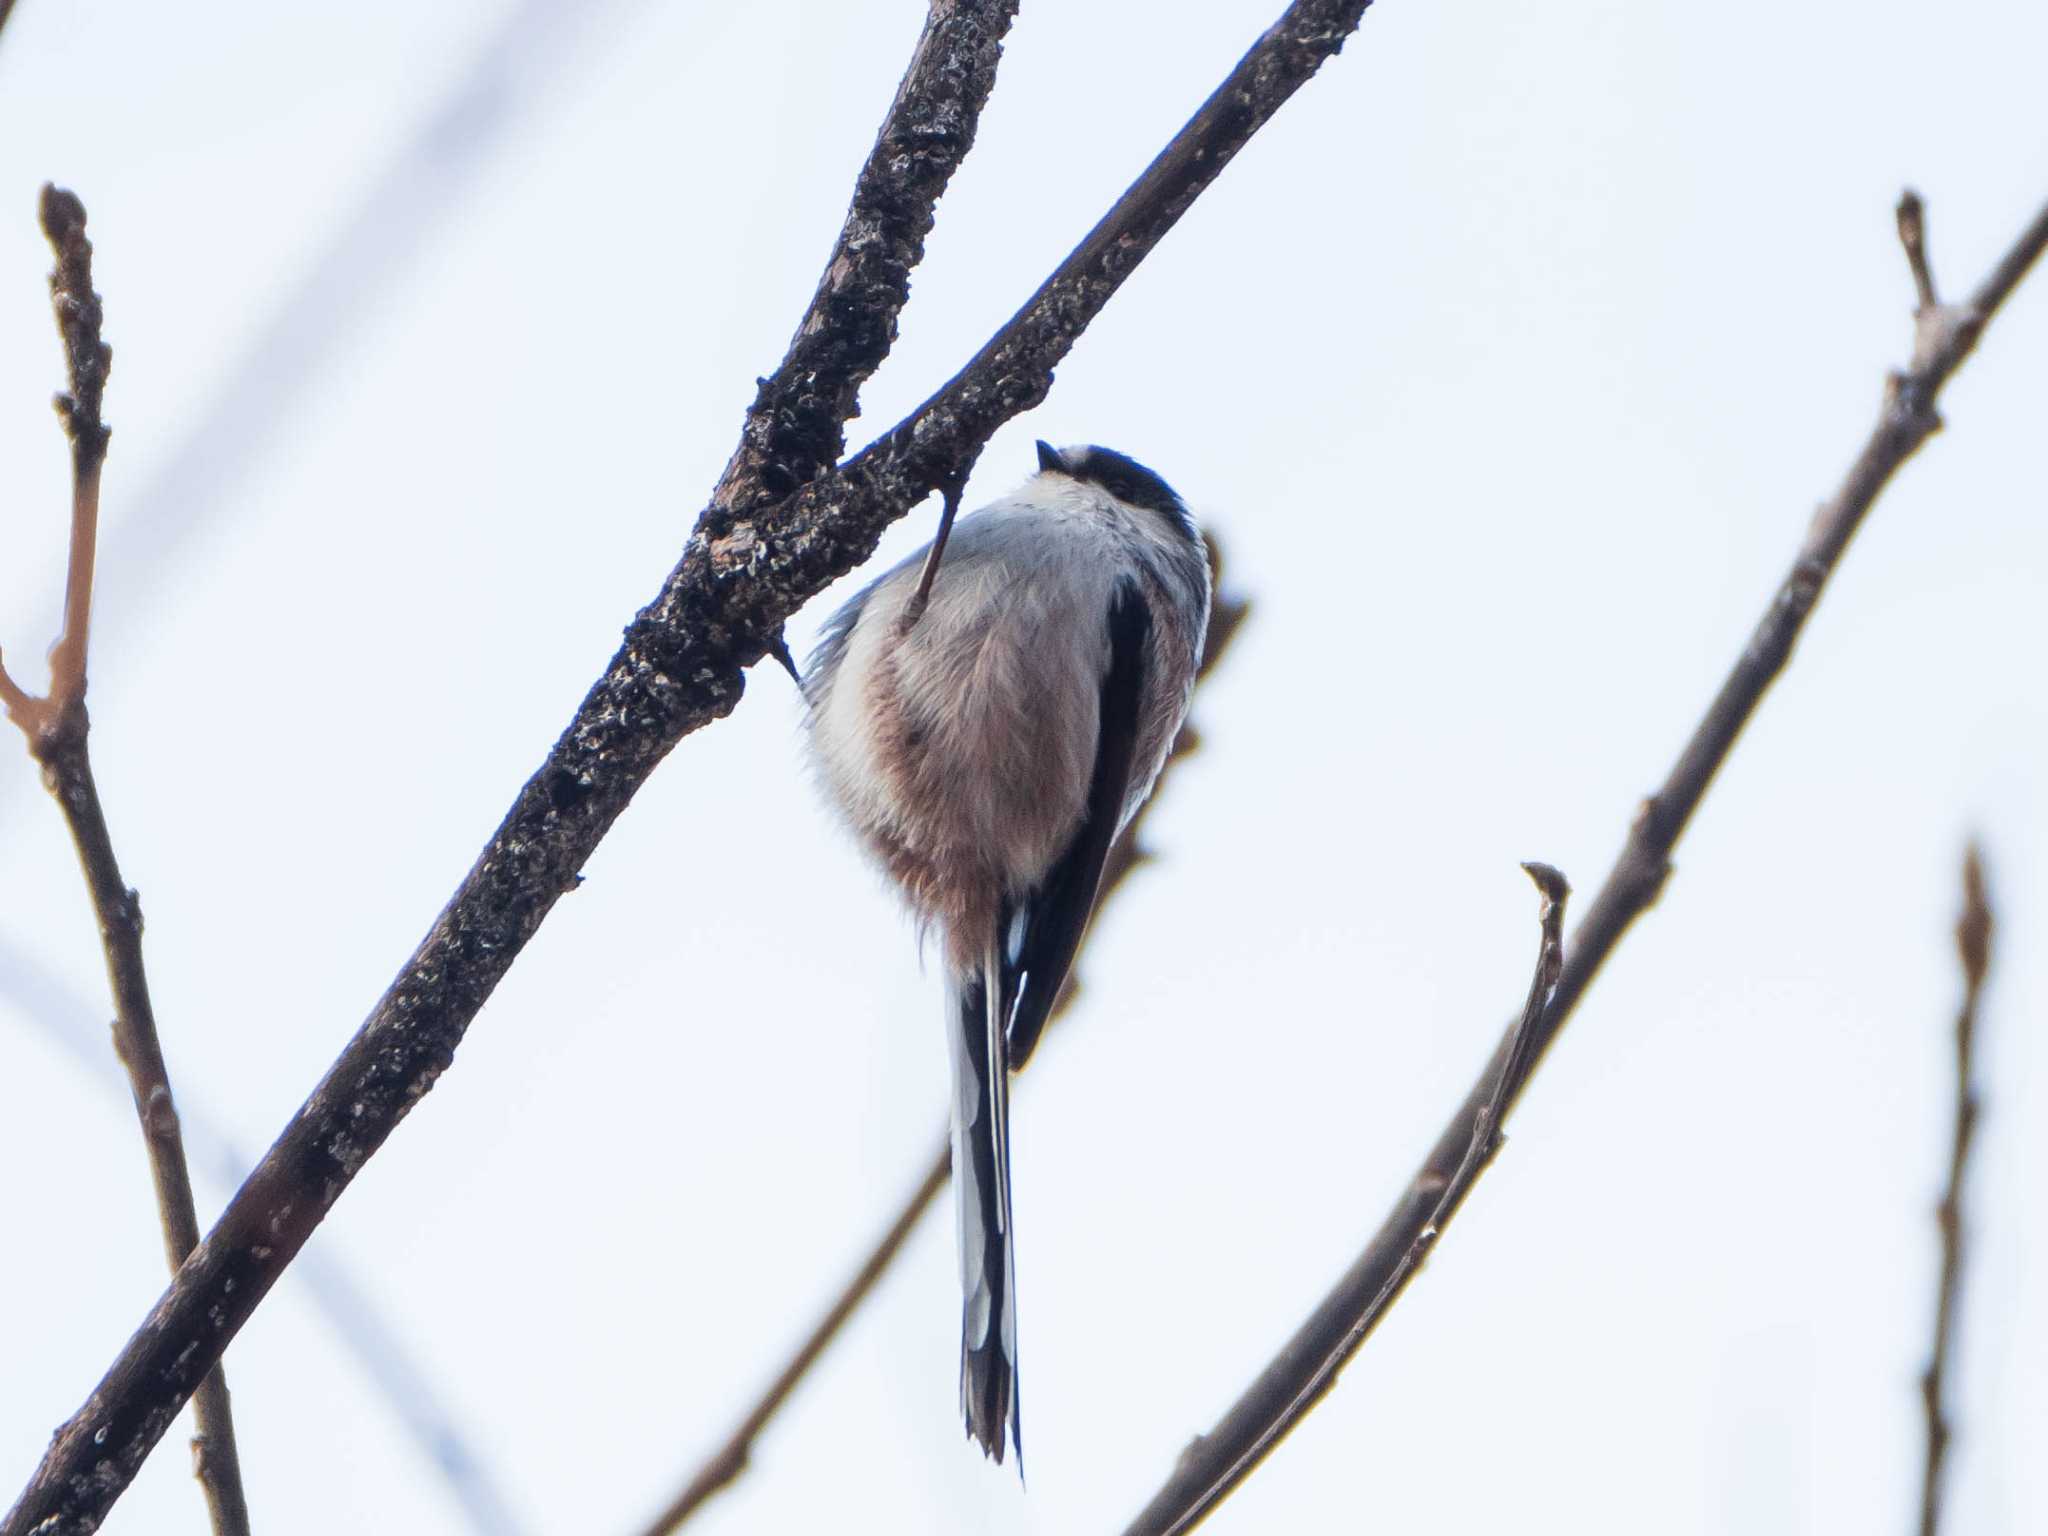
(1487, 1137)
(1307, 1366)
(1973, 949)
(1227, 613)
(795, 430)
(57, 730)
(87, 359)
(67, 770)
(749, 564)
(1287, 1390)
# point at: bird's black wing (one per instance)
(1044, 928)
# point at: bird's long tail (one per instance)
(981, 1184)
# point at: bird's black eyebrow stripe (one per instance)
(1129, 482)
(1124, 478)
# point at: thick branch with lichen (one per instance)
(750, 563)
(795, 430)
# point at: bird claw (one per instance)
(779, 649)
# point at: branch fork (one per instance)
(56, 727)
(1938, 329)
(681, 665)
(87, 361)
(1297, 1377)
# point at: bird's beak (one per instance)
(1049, 459)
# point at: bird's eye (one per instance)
(1138, 490)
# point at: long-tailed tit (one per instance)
(987, 749)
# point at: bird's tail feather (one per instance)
(981, 1184)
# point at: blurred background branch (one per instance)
(372, 1338)
(56, 728)
(1397, 568)
(386, 236)
(1308, 1365)
(1973, 949)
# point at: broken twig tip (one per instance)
(1549, 880)
(60, 212)
(1912, 216)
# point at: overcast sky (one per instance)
(1508, 363)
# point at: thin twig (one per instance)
(380, 239)
(1913, 236)
(1441, 1188)
(1973, 948)
(57, 731)
(67, 769)
(1307, 1366)
(1487, 1136)
(753, 559)
(1227, 613)
(87, 360)
(47, 1002)
(726, 1463)
(1514, 1071)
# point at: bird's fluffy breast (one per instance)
(962, 752)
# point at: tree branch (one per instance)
(1307, 1366)
(56, 728)
(87, 359)
(1973, 947)
(749, 564)
(795, 430)
(724, 1465)
(1487, 1137)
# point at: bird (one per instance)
(986, 732)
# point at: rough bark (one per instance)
(752, 561)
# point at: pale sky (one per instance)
(1509, 363)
